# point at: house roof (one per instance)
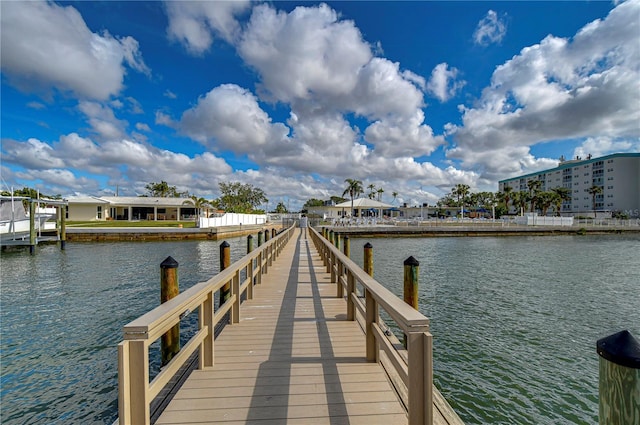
(130, 200)
(364, 203)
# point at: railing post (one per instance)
(225, 261)
(169, 288)
(619, 384)
(124, 384)
(235, 290)
(139, 381)
(371, 313)
(340, 289)
(420, 366)
(351, 289)
(206, 319)
(250, 268)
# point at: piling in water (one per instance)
(619, 385)
(225, 261)
(169, 288)
(368, 259)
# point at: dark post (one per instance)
(260, 237)
(336, 240)
(169, 288)
(619, 386)
(411, 267)
(273, 233)
(368, 259)
(249, 244)
(346, 246)
(266, 235)
(63, 226)
(331, 237)
(32, 227)
(225, 261)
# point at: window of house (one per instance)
(99, 212)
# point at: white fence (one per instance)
(232, 219)
(536, 220)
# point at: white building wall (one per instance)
(85, 212)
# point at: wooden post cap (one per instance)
(368, 246)
(169, 263)
(411, 261)
(225, 244)
(620, 348)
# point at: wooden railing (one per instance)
(413, 366)
(135, 392)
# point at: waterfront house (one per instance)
(129, 208)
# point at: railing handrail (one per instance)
(413, 367)
(135, 392)
(148, 322)
(405, 316)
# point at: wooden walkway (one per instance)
(292, 359)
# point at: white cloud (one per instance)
(102, 120)
(491, 29)
(585, 87)
(143, 127)
(443, 83)
(194, 23)
(47, 46)
(169, 94)
(228, 118)
(600, 146)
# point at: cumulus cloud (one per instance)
(194, 23)
(600, 146)
(443, 83)
(48, 46)
(102, 120)
(229, 118)
(491, 29)
(584, 87)
(116, 159)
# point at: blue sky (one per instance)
(295, 97)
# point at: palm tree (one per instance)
(562, 194)
(545, 199)
(354, 188)
(460, 192)
(520, 200)
(380, 191)
(534, 189)
(594, 191)
(198, 204)
(395, 196)
(372, 190)
(506, 196)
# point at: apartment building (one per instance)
(617, 174)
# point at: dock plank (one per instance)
(293, 358)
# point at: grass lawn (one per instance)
(123, 223)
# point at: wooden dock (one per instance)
(290, 355)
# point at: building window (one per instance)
(99, 212)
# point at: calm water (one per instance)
(515, 320)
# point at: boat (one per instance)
(15, 223)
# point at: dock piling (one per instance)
(411, 268)
(32, 228)
(368, 259)
(346, 246)
(169, 288)
(63, 227)
(225, 261)
(619, 384)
